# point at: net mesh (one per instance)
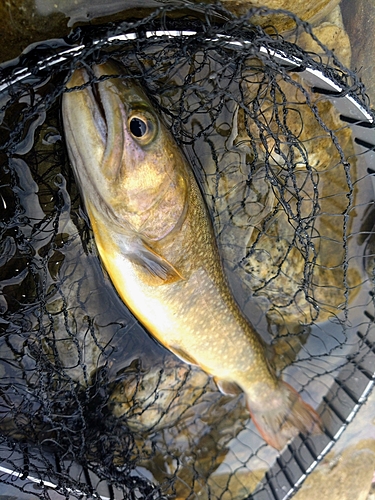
(89, 402)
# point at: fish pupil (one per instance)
(138, 127)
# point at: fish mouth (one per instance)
(95, 162)
(109, 118)
(86, 81)
(100, 120)
(111, 165)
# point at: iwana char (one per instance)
(156, 241)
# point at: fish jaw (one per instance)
(140, 184)
(95, 129)
(78, 111)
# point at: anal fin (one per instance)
(228, 387)
(183, 355)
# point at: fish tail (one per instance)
(283, 416)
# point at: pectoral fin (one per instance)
(154, 264)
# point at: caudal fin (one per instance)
(284, 416)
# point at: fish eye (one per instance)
(138, 127)
(142, 128)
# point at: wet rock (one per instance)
(332, 34)
(28, 21)
(312, 11)
(346, 476)
(21, 25)
(359, 20)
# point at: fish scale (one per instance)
(173, 282)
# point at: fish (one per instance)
(156, 241)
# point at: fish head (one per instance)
(125, 159)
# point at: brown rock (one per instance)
(359, 20)
(346, 476)
(21, 25)
(308, 10)
(333, 37)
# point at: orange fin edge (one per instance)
(278, 423)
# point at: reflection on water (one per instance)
(84, 11)
(67, 338)
(26, 22)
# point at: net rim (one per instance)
(357, 114)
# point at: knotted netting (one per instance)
(277, 137)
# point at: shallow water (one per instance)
(28, 21)
(117, 324)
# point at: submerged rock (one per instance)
(346, 476)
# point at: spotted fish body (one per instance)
(156, 242)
